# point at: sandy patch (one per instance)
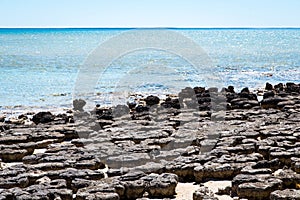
(216, 185)
(185, 191)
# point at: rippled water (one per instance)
(38, 67)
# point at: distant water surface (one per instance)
(38, 67)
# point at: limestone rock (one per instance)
(291, 194)
(161, 185)
(203, 193)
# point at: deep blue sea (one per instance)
(39, 67)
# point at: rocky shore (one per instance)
(147, 148)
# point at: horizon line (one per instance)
(149, 27)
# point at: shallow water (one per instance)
(39, 67)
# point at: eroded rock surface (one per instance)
(143, 149)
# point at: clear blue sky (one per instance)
(150, 13)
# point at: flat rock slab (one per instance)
(152, 146)
(285, 194)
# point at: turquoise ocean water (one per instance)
(38, 67)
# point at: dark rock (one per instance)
(131, 105)
(171, 103)
(104, 113)
(120, 110)
(2, 118)
(231, 89)
(286, 103)
(199, 90)
(292, 88)
(78, 104)
(152, 100)
(272, 164)
(271, 102)
(269, 86)
(141, 108)
(278, 87)
(245, 90)
(43, 117)
(268, 94)
(187, 92)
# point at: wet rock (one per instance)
(141, 109)
(2, 118)
(269, 86)
(199, 90)
(278, 87)
(292, 88)
(257, 148)
(105, 114)
(230, 89)
(245, 90)
(152, 100)
(271, 102)
(268, 94)
(131, 105)
(43, 117)
(171, 103)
